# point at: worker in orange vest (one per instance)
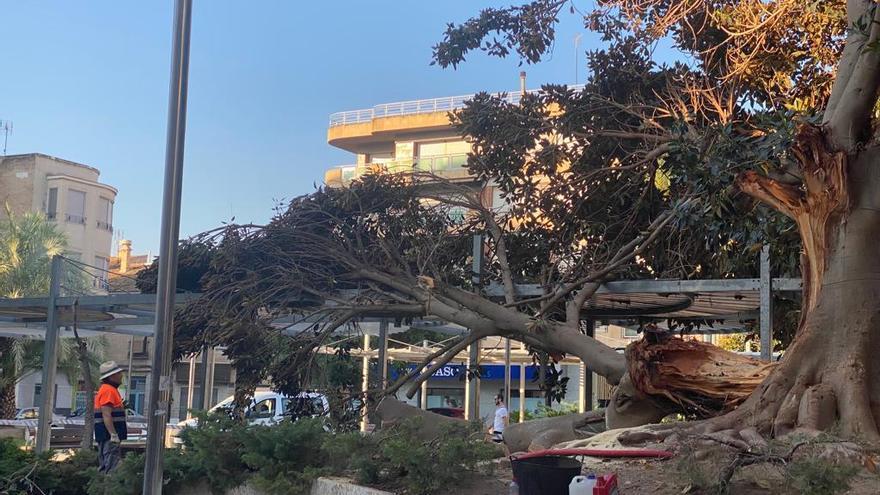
(110, 427)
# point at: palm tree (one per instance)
(27, 244)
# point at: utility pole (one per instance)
(766, 297)
(6, 128)
(577, 56)
(50, 359)
(160, 385)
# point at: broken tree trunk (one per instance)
(391, 410)
(696, 378)
(539, 434)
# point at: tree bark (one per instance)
(7, 391)
(82, 351)
(830, 374)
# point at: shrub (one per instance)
(397, 456)
(26, 472)
(813, 476)
(282, 459)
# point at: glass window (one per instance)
(80, 399)
(102, 265)
(444, 148)
(52, 203)
(263, 409)
(631, 333)
(105, 214)
(137, 393)
(76, 206)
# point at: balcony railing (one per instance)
(71, 218)
(414, 107)
(105, 226)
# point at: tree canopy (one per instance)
(649, 171)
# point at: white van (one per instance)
(267, 408)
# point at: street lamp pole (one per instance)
(160, 384)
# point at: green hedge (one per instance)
(285, 458)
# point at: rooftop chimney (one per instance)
(124, 255)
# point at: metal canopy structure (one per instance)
(731, 303)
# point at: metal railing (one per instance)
(414, 107)
(105, 226)
(71, 218)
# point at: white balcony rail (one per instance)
(414, 107)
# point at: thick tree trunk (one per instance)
(830, 374)
(7, 391)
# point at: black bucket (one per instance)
(549, 475)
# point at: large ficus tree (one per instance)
(593, 190)
(650, 171)
(761, 57)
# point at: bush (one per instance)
(543, 411)
(815, 476)
(26, 472)
(397, 456)
(282, 459)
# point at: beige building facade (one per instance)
(69, 194)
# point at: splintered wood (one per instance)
(702, 378)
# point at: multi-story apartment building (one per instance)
(70, 195)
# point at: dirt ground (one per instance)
(636, 477)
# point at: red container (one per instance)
(606, 484)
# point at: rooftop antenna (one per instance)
(6, 129)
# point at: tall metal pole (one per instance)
(160, 385)
(203, 402)
(190, 386)
(766, 313)
(383, 353)
(423, 399)
(587, 384)
(50, 359)
(365, 383)
(472, 386)
(522, 386)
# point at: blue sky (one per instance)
(88, 81)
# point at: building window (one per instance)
(102, 267)
(80, 404)
(197, 394)
(105, 214)
(631, 333)
(52, 204)
(76, 206)
(137, 393)
(443, 156)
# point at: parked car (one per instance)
(34, 413)
(267, 408)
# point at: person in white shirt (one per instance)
(500, 421)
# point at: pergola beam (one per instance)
(665, 287)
